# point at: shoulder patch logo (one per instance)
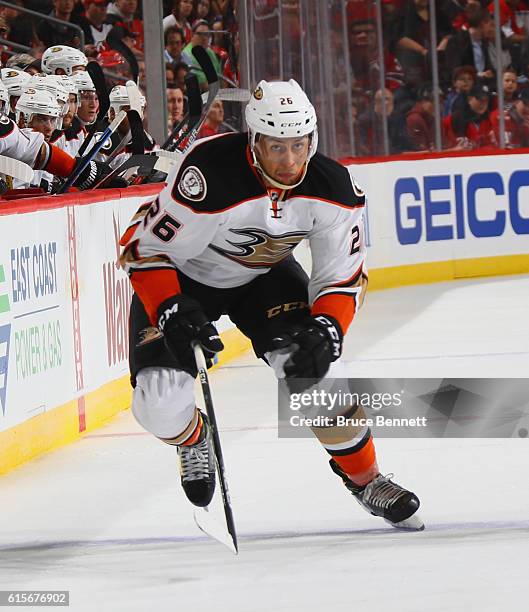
(192, 185)
(357, 189)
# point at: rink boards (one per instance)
(64, 306)
(443, 217)
(64, 301)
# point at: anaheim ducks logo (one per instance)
(261, 250)
(10, 75)
(193, 185)
(56, 49)
(258, 94)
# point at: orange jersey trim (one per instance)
(129, 232)
(340, 306)
(59, 162)
(154, 287)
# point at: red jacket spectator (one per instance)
(420, 122)
(516, 123)
(476, 125)
(508, 10)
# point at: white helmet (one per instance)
(66, 82)
(50, 82)
(37, 102)
(15, 80)
(82, 81)
(119, 98)
(283, 110)
(4, 99)
(61, 56)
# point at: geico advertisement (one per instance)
(442, 209)
(35, 315)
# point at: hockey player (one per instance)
(15, 82)
(30, 146)
(219, 240)
(86, 112)
(64, 137)
(118, 148)
(38, 110)
(88, 98)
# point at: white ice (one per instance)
(105, 518)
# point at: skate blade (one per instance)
(412, 523)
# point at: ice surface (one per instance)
(105, 518)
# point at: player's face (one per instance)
(72, 109)
(43, 124)
(283, 159)
(89, 106)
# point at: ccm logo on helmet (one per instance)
(297, 124)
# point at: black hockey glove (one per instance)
(94, 173)
(319, 343)
(182, 321)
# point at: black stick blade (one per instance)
(202, 57)
(96, 74)
(194, 99)
(136, 133)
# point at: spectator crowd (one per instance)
(468, 66)
(111, 33)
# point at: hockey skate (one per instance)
(197, 468)
(385, 498)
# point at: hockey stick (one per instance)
(232, 94)
(194, 103)
(16, 169)
(202, 515)
(189, 136)
(135, 103)
(143, 165)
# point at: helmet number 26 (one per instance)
(285, 101)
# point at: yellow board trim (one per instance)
(60, 426)
(50, 430)
(439, 271)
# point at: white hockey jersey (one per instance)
(218, 223)
(22, 145)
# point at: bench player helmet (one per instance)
(15, 80)
(281, 109)
(63, 57)
(119, 98)
(4, 99)
(82, 82)
(67, 83)
(37, 102)
(50, 82)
